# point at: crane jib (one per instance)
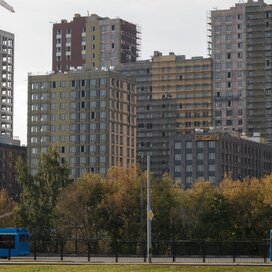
(6, 5)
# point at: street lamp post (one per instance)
(149, 213)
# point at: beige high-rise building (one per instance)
(88, 116)
(174, 96)
(241, 50)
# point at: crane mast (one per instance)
(6, 6)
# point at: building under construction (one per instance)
(94, 41)
(242, 78)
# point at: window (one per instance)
(229, 113)
(177, 145)
(200, 168)
(211, 156)
(177, 168)
(177, 157)
(189, 145)
(229, 122)
(211, 167)
(228, 74)
(200, 144)
(211, 144)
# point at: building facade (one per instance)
(210, 155)
(88, 116)
(141, 72)
(93, 41)
(6, 82)
(10, 151)
(174, 95)
(241, 50)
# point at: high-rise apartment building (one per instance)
(174, 95)
(93, 41)
(88, 115)
(6, 82)
(241, 50)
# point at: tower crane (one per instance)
(6, 5)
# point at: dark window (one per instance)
(23, 238)
(7, 241)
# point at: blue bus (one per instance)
(14, 242)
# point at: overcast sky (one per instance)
(167, 25)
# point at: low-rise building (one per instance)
(212, 154)
(10, 151)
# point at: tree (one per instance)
(102, 207)
(248, 210)
(205, 212)
(7, 210)
(121, 205)
(78, 208)
(166, 199)
(40, 192)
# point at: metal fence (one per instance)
(162, 251)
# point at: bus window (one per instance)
(7, 241)
(24, 238)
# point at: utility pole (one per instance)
(150, 214)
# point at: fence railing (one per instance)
(169, 251)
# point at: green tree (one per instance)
(166, 199)
(205, 212)
(40, 192)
